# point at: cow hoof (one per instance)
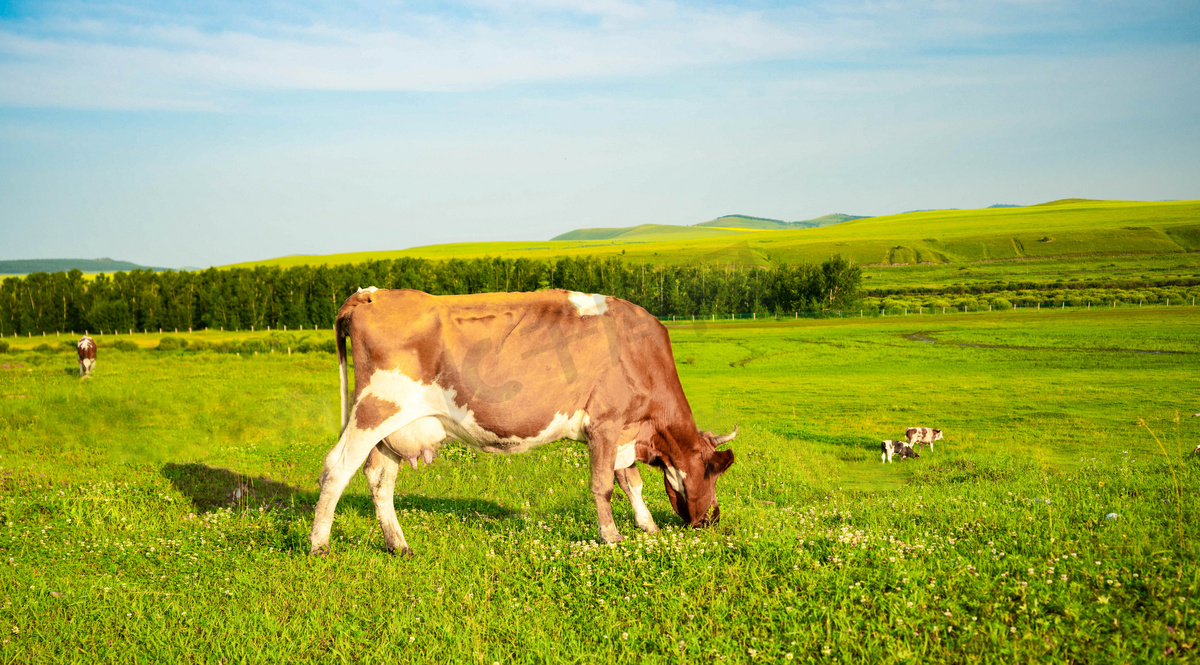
(650, 530)
(609, 533)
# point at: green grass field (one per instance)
(160, 510)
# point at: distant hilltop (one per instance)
(26, 266)
(646, 232)
(766, 224)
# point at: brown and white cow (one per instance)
(504, 372)
(87, 356)
(922, 436)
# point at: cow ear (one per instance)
(645, 453)
(718, 463)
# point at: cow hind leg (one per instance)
(346, 457)
(630, 481)
(381, 468)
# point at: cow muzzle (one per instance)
(710, 518)
(693, 515)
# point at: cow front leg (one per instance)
(630, 481)
(381, 468)
(340, 464)
(603, 448)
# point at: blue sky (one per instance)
(197, 134)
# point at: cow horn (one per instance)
(718, 440)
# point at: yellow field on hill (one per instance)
(1063, 228)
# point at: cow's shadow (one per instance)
(213, 488)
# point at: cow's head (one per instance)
(937, 435)
(692, 485)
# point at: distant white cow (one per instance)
(899, 449)
(922, 436)
(87, 356)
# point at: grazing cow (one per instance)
(87, 356)
(900, 449)
(504, 372)
(922, 436)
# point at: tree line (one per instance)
(307, 296)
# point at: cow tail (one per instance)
(342, 328)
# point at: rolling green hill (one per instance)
(747, 222)
(1067, 228)
(646, 233)
(714, 227)
(1060, 202)
(766, 224)
(831, 219)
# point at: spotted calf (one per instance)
(899, 449)
(922, 436)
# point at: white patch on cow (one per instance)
(369, 289)
(641, 514)
(626, 455)
(429, 414)
(589, 304)
(675, 477)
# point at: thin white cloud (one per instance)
(97, 64)
(137, 58)
(612, 10)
